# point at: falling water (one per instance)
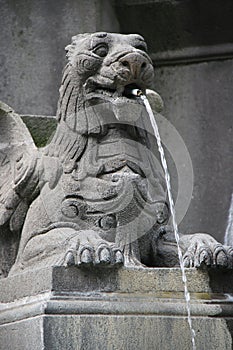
(228, 239)
(172, 208)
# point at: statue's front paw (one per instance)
(206, 251)
(88, 249)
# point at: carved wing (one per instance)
(18, 158)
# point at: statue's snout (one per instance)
(135, 63)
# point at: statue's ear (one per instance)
(70, 49)
(74, 43)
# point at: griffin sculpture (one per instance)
(94, 196)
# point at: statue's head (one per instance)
(104, 67)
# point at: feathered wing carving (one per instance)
(19, 179)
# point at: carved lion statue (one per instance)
(95, 195)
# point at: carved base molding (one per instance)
(58, 308)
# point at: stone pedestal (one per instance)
(72, 309)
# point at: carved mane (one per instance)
(70, 138)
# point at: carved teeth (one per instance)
(116, 95)
(119, 91)
(120, 95)
(104, 92)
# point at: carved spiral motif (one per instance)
(86, 63)
(70, 208)
(108, 222)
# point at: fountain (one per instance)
(172, 209)
(97, 264)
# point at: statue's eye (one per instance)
(141, 47)
(101, 50)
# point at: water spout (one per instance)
(139, 93)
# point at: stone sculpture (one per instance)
(94, 196)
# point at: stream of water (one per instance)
(173, 215)
(228, 239)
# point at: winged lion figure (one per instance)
(94, 196)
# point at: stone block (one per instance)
(140, 308)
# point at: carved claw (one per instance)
(188, 260)
(204, 250)
(203, 257)
(220, 258)
(69, 259)
(86, 257)
(88, 249)
(229, 251)
(103, 256)
(189, 256)
(119, 259)
(109, 256)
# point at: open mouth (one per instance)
(122, 94)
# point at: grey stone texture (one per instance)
(33, 35)
(122, 309)
(186, 33)
(190, 43)
(75, 212)
(181, 31)
(94, 195)
(198, 101)
(189, 40)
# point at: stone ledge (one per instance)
(131, 308)
(156, 282)
(113, 304)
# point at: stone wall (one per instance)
(120, 309)
(191, 45)
(33, 35)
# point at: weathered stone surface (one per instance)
(180, 32)
(108, 333)
(33, 36)
(27, 334)
(199, 95)
(161, 282)
(125, 309)
(190, 43)
(217, 332)
(95, 194)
